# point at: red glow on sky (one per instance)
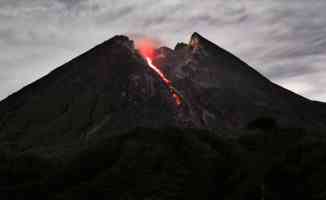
(146, 47)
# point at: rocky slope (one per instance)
(72, 135)
(112, 88)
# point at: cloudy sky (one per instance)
(283, 39)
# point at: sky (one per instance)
(285, 40)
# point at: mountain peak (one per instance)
(120, 40)
(195, 40)
(111, 87)
(196, 35)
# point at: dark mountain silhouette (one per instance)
(105, 126)
(223, 91)
(111, 87)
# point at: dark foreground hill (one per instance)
(175, 164)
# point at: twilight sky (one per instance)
(283, 39)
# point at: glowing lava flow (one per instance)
(167, 82)
(150, 63)
(146, 48)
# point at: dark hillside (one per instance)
(175, 164)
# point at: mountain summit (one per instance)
(129, 121)
(112, 87)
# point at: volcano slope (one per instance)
(112, 87)
(73, 133)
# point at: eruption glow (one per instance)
(146, 49)
(150, 63)
(167, 82)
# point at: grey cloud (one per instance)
(283, 39)
(72, 3)
(112, 15)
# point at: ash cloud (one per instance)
(283, 39)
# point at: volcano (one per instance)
(117, 87)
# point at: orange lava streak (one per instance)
(146, 48)
(177, 99)
(167, 82)
(150, 63)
